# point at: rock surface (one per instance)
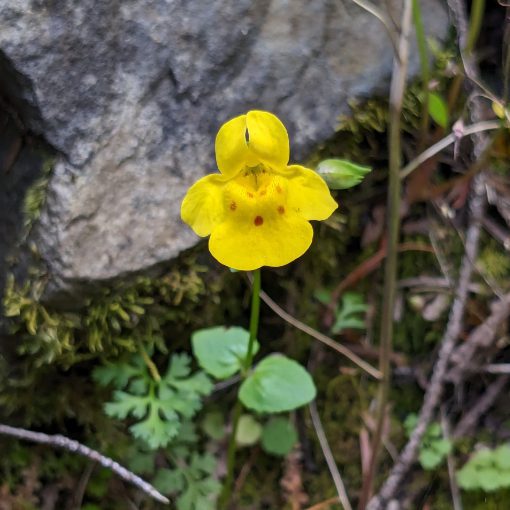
(131, 93)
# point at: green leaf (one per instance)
(220, 351)
(467, 477)
(279, 436)
(410, 423)
(118, 375)
(277, 384)
(347, 317)
(490, 479)
(430, 459)
(502, 457)
(169, 481)
(202, 490)
(438, 109)
(442, 446)
(341, 174)
(214, 425)
(159, 406)
(248, 430)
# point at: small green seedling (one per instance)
(434, 447)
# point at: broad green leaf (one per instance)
(341, 174)
(220, 351)
(438, 109)
(277, 384)
(279, 436)
(248, 430)
(214, 425)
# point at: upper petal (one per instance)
(260, 240)
(268, 138)
(232, 153)
(308, 194)
(202, 208)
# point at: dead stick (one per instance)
(470, 419)
(70, 445)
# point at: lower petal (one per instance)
(308, 194)
(273, 242)
(202, 208)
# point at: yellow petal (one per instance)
(268, 138)
(262, 240)
(232, 153)
(308, 194)
(202, 208)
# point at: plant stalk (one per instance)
(475, 24)
(231, 452)
(397, 90)
(421, 41)
(153, 369)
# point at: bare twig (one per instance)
(328, 455)
(70, 445)
(481, 338)
(479, 127)
(496, 368)
(319, 336)
(450, 461)
(381, 16)
(489, 396)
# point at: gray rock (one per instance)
(131, 93)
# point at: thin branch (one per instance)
(496, 368)
(59, 441)
(379, 14)
(369, 369)
(480, 339)
(470, 419)
(328, 455)
(479, 127)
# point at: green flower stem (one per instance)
(231, 453)
(421, 40)
(475, 23)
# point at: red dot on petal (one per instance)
(278, 189)
(258, 221)
(233, 206)
(281, 209)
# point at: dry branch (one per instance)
(70, 445)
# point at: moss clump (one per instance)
(35, 196)
(48, 342)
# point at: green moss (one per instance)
(35, 196)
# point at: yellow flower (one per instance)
(257, 210)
